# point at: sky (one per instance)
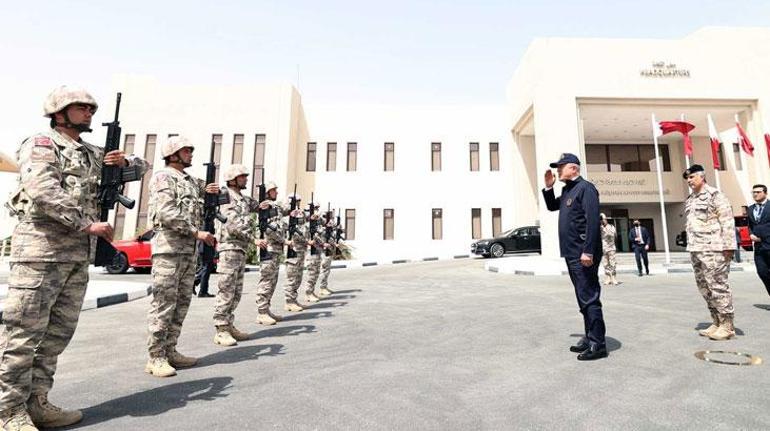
(397, 52)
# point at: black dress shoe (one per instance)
(581, 346)
(592, 353)
(205, 295)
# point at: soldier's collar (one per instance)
(64, 140)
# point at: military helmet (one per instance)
(270, 185)
(234, 171)
(174, 144)
(602, 216)
(63, 96)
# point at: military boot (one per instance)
(238, 334)
(607, 280)
(159, 367)
(325, 292)
(46, 415)
(16, 419)
(223, 336)
(276, 317)
(614, 281)
(265, 319)
(310, 297)
(726, 329)
(292, 306)
(178, 360)
(714, 324)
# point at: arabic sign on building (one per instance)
(661, 69)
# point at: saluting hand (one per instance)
(207, 238)
(115, 158)
(550, 180)
(212, 188)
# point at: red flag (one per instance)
(682, 127)
(767, 143)
(714, 137)
(744, 139)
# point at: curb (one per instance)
(496, 269)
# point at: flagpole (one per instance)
(660, 189)
(744, 166)
(716, 171)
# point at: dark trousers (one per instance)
(641, 254)
(202, 278)
(762, 261)
(587, 291)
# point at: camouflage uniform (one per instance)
(608, 248)
(175, 213)
(233, 240)
(710, 231)
(294, 265)
(326, 262)
(56, 199)
(314, 261)
(268, 271)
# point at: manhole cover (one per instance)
(728, 358)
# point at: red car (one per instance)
(133, 253)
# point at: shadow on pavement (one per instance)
(763, 306)
(612, 343)
(326, 305)
(335, 296)
(155, 401)
(283, 331)
(232, 355)
(704, 325)
(339, 292)
(306, 316)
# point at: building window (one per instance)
(474, 156)
(258, 163)
(350, 224)
(494, 156)
(171, 135)
(389, 154)
(237, 149)
(737, 157)
(387, 224)
(149, 155)
(331, 156)
(435, 156)
(721, 158)
(120, 213)
(476, 223)
(310, 159)
(625, 158)
(437, 223)
(352, 160)
(216, 140)
(497, 221)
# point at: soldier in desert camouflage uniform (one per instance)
(175, 214)
(298, 243)
(608, 248)
(314, 261)
(275, 233)
(330, 246)
(234, 238)
(711, 243)
(58, 211)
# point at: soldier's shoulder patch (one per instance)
(42, 154)
(43, 141)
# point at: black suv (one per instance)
(519, 240)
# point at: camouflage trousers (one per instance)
(609, 263)
(232, 264)
(326, 269)
(172, 287)
(711, 271)
(40, 315)
(313, 271)
(294, 268)
(268, 279)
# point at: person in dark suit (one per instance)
(639, 237)
(581, 247)
(759, 229)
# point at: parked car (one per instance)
(518, 240)
(741, 222)
(133, 253)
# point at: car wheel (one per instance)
(497, 250)
(119, 264)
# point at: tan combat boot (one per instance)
(714, 324)
(325, 292)
(16, 419)
(238, 334)
(726, 329)
(311, 298)
(46, 415)
(607, 280)
(292, 306)
(614, 281)
(223, 337)
(159, 367)
(265, 319)
(178, 360)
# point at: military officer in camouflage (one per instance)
(233, 238)
(268, 270)
(175, 214)
(294, 265)
(52, 245)
(314, 261)
(608, 247)
(711, 242)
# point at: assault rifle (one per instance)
(264, 220)
(313, 224)
(292, 224)
(211, 204)
(329, 230)
(338, 229)
(111, 188)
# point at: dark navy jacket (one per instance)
(761, 227)
(632, 237)
(578, 208)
